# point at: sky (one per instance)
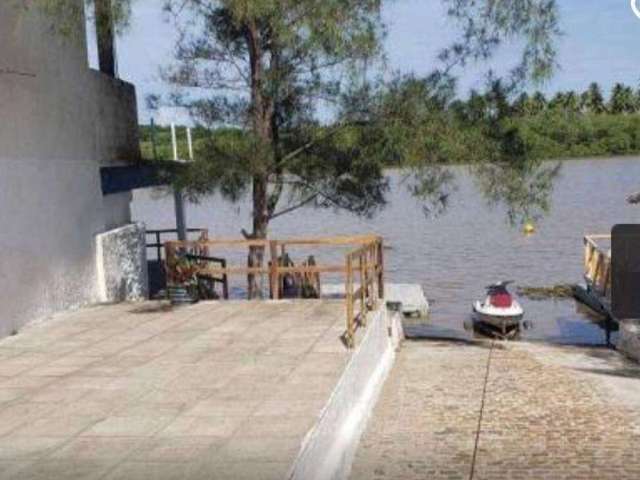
(599, 43)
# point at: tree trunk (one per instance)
(261, 115)
(260, 227)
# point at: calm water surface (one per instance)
(471, 245)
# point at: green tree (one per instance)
(622, 99)
(538, 103)
(67, 13)
(521, 104)
(264, 67)
(592, 99)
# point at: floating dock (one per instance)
(407, 298)
(596, 292)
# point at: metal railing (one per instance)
(158, 244)
(365, 264)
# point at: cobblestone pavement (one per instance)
(211, 391)
(547, 413)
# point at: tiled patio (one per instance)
(215, 390)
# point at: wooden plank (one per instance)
(340, 240)
(221, 242)
(355, 240)
(313, 269)
(281, 270)
(275, 276)
(236, 271)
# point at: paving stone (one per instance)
(540, 420)
(59, 426)
(20, 448)
(213, 426)
(155, 471)
(175, 449)
(114, 426)
(216, 390)
(63, 470)
(98, 448)
(244, 471)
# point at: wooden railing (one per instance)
(363, 263)
(597, 264)
(366, 263)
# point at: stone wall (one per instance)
(61, 122)
(121, 257)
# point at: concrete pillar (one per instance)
(105, 37)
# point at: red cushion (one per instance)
(501, 300)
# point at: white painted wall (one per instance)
(329, 448)
(59, 122)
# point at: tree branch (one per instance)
(290, 209)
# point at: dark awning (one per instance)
(143, 175)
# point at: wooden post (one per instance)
(587, 254)
(274, 276)
(349, 300)
(105, 37)
(363, 288)
(380, 269)
(225, 282)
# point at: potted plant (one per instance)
(182, 287)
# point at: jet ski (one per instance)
(499, 309)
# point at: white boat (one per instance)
(499, 309)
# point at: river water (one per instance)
(454, 255)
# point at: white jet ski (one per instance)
(499, 310)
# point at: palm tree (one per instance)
(592, 100)
(622, 99)
(571, 102)
(538, 103)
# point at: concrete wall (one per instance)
(61, 122)
(329, 448)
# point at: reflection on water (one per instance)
(456, 254)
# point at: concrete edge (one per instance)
(329, 448)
